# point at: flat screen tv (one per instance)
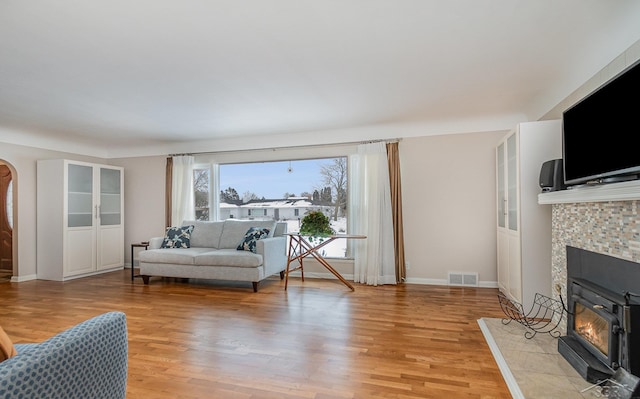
(601, 133)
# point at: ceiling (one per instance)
(123, 78)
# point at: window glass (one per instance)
(202, 192)
(284, 191)
(10, 204)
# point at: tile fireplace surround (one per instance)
(599, 218)
(610, 228)
(602, 219)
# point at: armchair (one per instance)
(89, 360)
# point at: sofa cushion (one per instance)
(234, 230)
(228, 257)
(252, 235)
(7, 350)
(180, 256)
(177, 237)
(205, 234)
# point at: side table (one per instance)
(144, 245)
(300, 248)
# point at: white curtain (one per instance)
(182, 190)
(370, 208)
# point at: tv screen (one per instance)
(601, 133)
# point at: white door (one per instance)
(513, 219)
(503, 236)
(508, 221)
(80, 234)
(110, 223)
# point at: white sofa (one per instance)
(213, 253)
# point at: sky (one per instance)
(272, 179)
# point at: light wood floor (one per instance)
(317, 340)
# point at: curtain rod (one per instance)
(396, 140)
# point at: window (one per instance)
(202, 192)
(9, 202)
(283, 191)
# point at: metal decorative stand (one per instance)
(543, 317)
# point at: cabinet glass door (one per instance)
(110, 197)
(80, 197)
(512, 189)
(501, 191)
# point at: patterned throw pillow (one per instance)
(250, 237)
(177, 237)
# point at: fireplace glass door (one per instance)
(592, 327)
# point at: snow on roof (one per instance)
(283, 203)
(291, 202)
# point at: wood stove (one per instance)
(603, 322)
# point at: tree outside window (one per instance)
(201, 187)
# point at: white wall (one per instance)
(624, 60)
(448, 192)
(143, 191)
(449, 205)
(23, 160)
(144, 201)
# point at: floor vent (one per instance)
(463, 278)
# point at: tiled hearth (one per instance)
(533, 368)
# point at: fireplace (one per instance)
(596, 329)
(603, 321)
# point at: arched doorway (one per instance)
(7, 221)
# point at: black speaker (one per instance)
(551, 176)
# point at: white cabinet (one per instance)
(524, 226)
(80, 219)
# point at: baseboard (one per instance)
(348, 277)
(20, 279)
(425, 281)
(431, 281)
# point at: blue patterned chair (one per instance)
(87, 361)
